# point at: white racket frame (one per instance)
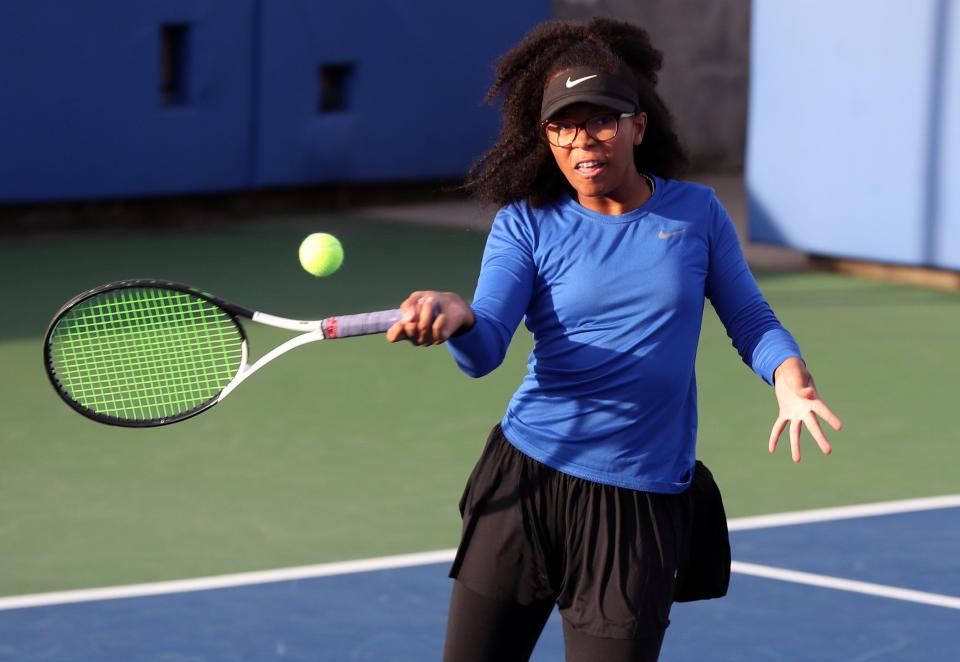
(328, 328)
(312, 331)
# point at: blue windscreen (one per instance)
(112, 98)
(107, 98)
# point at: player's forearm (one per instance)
(479, 349)
(775, 348)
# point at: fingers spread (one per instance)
(775, 433)
(795, 427)
(826, 414)
(813, 425)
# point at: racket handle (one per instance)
(362, 324)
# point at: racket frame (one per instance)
(310, 330)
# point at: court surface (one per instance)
(360, 449)
(876, 582)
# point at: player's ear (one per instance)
(639, 126)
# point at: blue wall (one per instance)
(417, 95)
(81, 114)
(854, 129)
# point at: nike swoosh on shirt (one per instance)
(667, 235)
(573, 83)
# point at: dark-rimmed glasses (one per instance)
(601, 127)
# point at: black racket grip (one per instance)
(362, 324)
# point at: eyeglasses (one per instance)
(602, 128)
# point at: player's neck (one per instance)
(632, 195)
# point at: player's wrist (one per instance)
(793, 369)
(468, 323)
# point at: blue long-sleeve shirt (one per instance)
(615, 305)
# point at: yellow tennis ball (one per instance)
(321, 254)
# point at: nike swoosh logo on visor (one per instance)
(573, 83)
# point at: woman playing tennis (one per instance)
(578, 499)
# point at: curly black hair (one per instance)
(520, 166)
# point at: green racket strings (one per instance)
(141, 354)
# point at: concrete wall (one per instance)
(704, 80)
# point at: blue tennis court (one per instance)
(878, 582)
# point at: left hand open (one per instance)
(800, 404)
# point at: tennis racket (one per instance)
(142, 353)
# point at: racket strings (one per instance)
(169, 360)
(145, 353)
(112, 340)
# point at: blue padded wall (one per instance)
(80, 101)
(415, 108)
(853, 129)
(80, 111)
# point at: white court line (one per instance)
(844, 512)
(840, 584)
(446, 555)
(226, 581)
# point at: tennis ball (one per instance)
(321, 254)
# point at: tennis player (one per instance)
(578, 499)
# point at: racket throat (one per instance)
(247, 370)
(303, 326)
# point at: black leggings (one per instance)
(480, 629)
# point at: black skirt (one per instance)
(609, 556)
